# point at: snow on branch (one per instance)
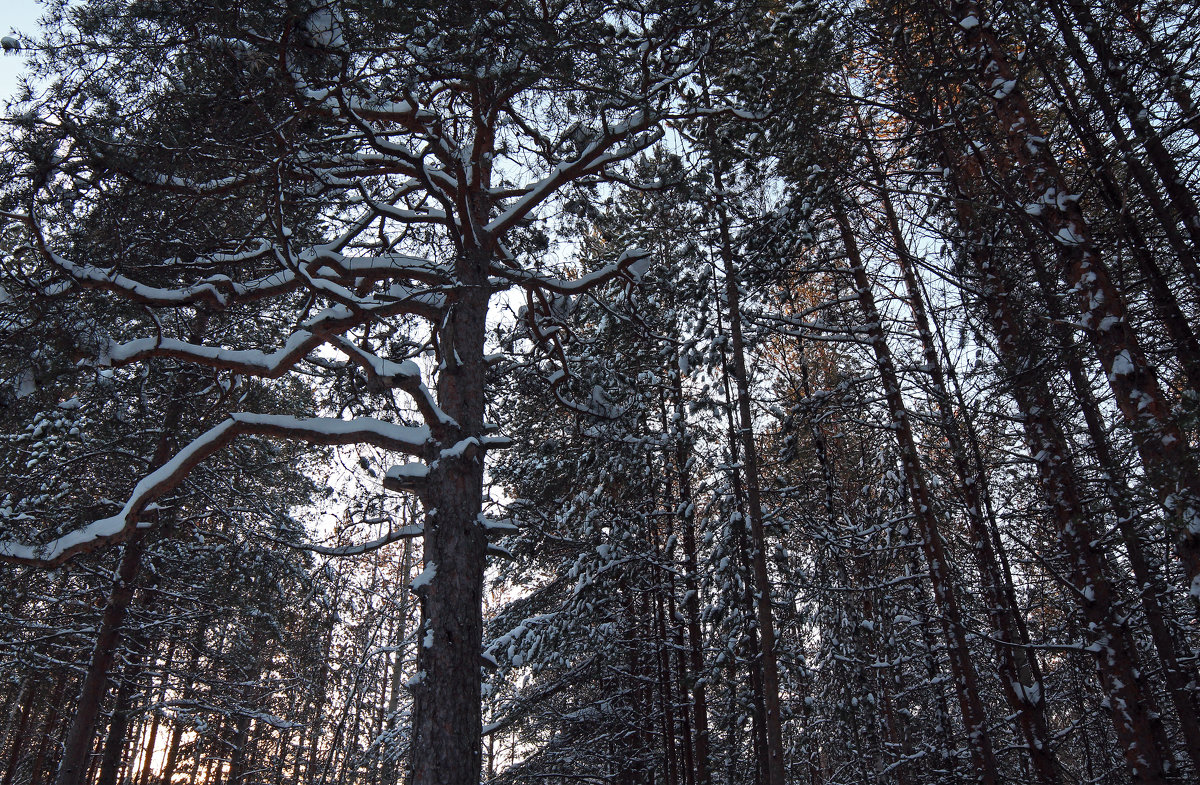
(320, 269)
(375, 268)
(597, 155)
(403, 112)
(403, 533)
(190, 187)
(218, 290)
(631, 262)
(314, 430)
(250, 362)
(404, 375)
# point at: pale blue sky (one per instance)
(20, 15)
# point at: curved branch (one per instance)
(626, 264)
(314, 430)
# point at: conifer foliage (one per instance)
(638, 392)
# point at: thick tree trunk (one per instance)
(742, 550)
(1162, 297)
(112, 757)
(447, 715)
(1179, 679)
(1174, 81)
(1188, 253)
(49, 734)
(691, 602)
(1138, 117)
(78, 745)
(16, 738)
(1136, 723)
(1023, 693)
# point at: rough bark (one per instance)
(447, 715)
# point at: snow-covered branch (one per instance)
(631, 262)
(313, 430)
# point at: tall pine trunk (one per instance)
(937, 560)
(447, 715)
(1137, 725)
(754, 509)
(691, 601)
(1170, 464)
(78, 745)
(1018, 673)
(18, 725)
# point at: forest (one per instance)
(574, 392)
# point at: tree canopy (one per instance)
(631, 392)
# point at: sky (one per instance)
(21, 16)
